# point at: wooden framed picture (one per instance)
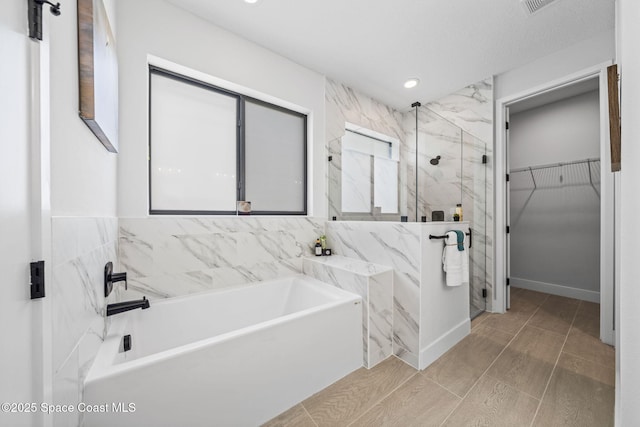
(98, 73)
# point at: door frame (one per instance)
(608, 204)
(40, 196)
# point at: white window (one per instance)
(369, 168)
(274, 158)
(210, 148)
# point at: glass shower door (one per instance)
(474, 197)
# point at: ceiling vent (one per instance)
(533, 6)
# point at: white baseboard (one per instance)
(437, 348)
(553, 289)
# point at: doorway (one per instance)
(554, 192)
(547, 180)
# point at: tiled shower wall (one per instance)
(471, 109)
(171, 256)
(344, 104)
(462, 118)
(81, 246)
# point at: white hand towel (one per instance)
(455, 263)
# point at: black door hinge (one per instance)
(484, 293)
(508, 282)
(507, 177)
(330, 158)
(506, 125)
(37, 279)
(508, 229)
(484, 159)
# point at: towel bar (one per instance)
(470, 234)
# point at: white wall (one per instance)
(581, 55)
(83, 172)
(83, 223)
(18, 323)
(562, 131)
(156, 28)
(555, 228)
(573, 60)
(628, 334)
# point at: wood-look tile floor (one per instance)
(540, 364)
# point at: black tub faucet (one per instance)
(121, 307)
(110, 278)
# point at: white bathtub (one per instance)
(234, 357)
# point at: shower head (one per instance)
(435, 161)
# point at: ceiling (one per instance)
(375, 45)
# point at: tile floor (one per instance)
(540, 364)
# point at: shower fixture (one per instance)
(435, 161)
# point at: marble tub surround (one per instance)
(398, 246)
(171, 256)
(81, 246)
(428, 317)
(374, 283)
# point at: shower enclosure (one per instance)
(433, 166)
(451, 169)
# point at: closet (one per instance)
(554, 192)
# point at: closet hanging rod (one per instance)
(553, 165)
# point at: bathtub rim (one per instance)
(104, 367)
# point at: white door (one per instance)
(23, 373)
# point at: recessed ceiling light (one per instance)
(251, 1)
(412, 82)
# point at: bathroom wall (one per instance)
(344, 104)
(579, 56)
(81, 248)
(150, 29)
(83, 172)
(171, 256)
(555, 228)
(398, 246)
(83, 223)
(627, 290)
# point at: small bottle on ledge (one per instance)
(458, 212)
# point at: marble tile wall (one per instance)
(171, 256)
(471, 109)
(374, 283)
(456, 127)
(81, 246)
(438, 185)
(390, 244)
(459, 128)
(343, 105)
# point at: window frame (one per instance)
(368, 133)
(240, 145)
